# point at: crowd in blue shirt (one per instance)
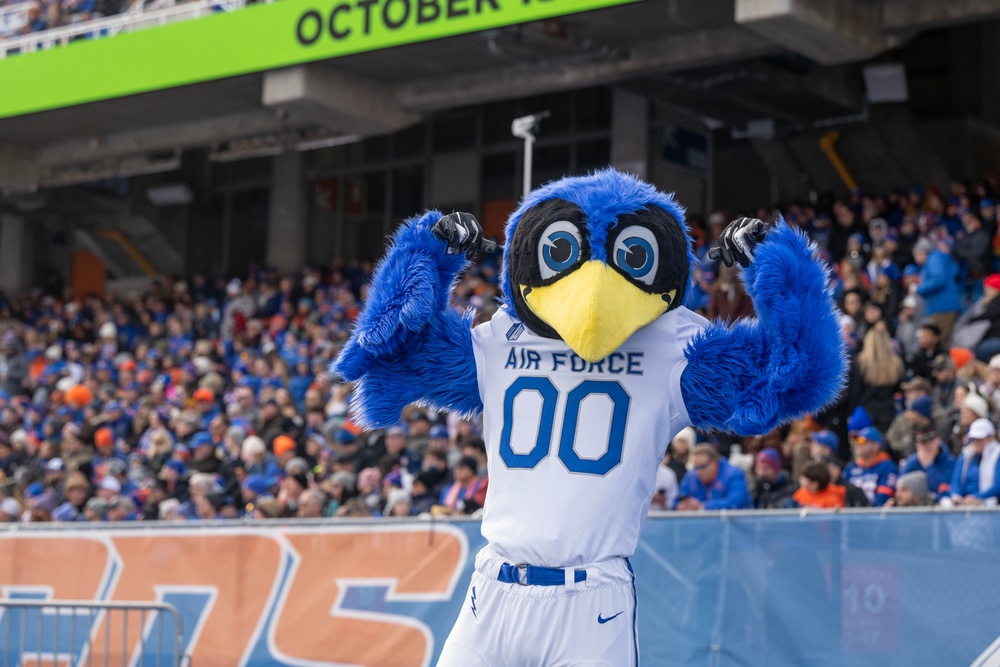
(210, 398)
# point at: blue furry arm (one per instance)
(409, 345)
(750, 377)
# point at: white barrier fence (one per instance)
(86, 633)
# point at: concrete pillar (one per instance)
(18, 168)
(990, 72)
(287, 224)
(630, 132)
(15, 255)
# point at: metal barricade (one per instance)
(86, 633)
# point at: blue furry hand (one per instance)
(737, 243)
(409, 345)
(754, 374)
(463, 233)
(410, 288)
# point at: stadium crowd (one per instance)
(210, 398)
(23, 18)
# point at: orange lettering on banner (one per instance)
(411, 564)
(240, 569)
(73, 567)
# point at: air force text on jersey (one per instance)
(616, 363)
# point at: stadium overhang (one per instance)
(299, 74)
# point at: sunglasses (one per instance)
(863, 440)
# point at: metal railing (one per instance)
(85, 633)
(138, 17)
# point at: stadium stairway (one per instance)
(128, 243)
(887, 151)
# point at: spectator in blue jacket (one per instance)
(938, 285)
(712, 483)
(934, 460)
(976, 478)
(872, 470)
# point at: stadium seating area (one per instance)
(210, 398)
(22, 18)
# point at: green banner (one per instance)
(254, 39)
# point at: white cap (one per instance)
(110, 484)
(396, 496)
(982, 428)
(995, 362)
(167, 506)
(910, 301)
(65, 384)
(251, 446)
(10, 507)
(977, 404)
(55, 465)
(688, 435)
(108, 330)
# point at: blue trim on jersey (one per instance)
(635, 613)
(550, 395)
(616, 436)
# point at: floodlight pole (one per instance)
(525, 128)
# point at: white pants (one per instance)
(592, 622)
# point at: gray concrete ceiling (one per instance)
(710, 56)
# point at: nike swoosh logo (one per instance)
(601, 619)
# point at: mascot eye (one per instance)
(558, 249)
(637, 253)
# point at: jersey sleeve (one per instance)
(687, 325)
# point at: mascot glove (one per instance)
(463, 233)
(738, 241)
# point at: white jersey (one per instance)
(573, 446)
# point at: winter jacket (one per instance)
(990, 314)
(728, 491)
(939, 283)
(832, 496)
(769, 496)
(977, 476)
(876, 477)
(939, 472)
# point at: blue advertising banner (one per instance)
(774, 589)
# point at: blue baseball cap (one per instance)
(344, 437)
(257, 483)
(438, 431)
(871, 434)
(201, 438)
(922, 406)
(828, 439)
(176, 466)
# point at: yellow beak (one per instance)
(594, 309)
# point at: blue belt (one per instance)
(533, 575)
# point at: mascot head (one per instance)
(592, 259)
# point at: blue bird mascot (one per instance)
(583, 376)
